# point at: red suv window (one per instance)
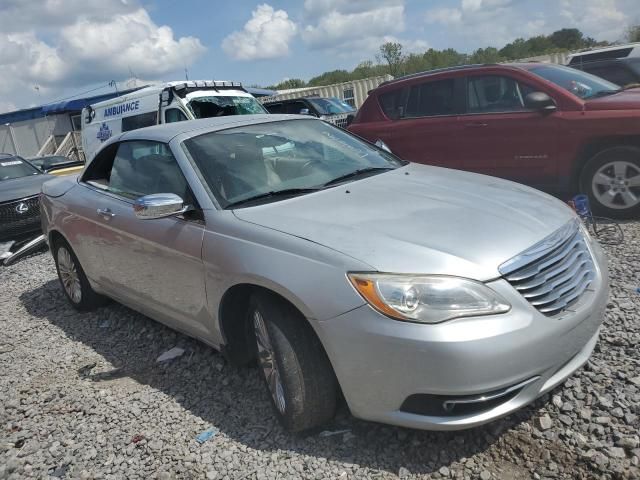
(495, 93)
(431, 99)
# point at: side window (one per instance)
(493, 93)
(142, 168)
(174, 115)
(614, 73)
(392, 103)
(295, 107)
(431, 99)
(139, 121)
(275, 108)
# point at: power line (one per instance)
(78, 94)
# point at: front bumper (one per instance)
(380, 362)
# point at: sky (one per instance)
(56, 49)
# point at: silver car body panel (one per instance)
(401, 221)
(415, 219)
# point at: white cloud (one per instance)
(445, 16)
(601, 19)
(266, 35)
(355, 26)
(61, 45)
(497, 22)
(129, 41)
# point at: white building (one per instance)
(354, 92)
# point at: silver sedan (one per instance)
(431, 298)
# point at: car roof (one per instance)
(166, 132)
(457, 68)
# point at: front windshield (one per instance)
(15, 167)
(245, 162)
(582, 84)
(220, 106)
(330, 106)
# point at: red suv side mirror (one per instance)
(540, 101)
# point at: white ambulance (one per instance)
(163, 103)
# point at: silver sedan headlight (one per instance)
(427, 298)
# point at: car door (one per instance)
(426, 129)
(502, 137)
(153, 265)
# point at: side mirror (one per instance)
(304, 111)
(540, 101)
(159, 205)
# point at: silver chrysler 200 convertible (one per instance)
(432, 298)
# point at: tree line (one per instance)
(391, 58)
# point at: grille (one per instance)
(339, 120)
(13, 224)
(553, 274)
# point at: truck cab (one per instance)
(163, 103)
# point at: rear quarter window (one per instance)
(392, 103)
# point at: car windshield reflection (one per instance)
(294, 156)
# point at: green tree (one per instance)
(289, 83)
(485, 55)
(328, 78)
(391, 52)
(633, 33)
(567, 39)
(515, 50)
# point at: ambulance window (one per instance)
(174, 115)
(139, 121)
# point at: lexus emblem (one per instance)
(22, 208)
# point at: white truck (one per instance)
(163, 103)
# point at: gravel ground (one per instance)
(81, 396)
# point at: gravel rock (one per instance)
(544, 422)
(82, 397)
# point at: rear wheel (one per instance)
(611, 179)
(295, 368)
(75, 284)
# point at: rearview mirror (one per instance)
(159, 205)
(540, 101)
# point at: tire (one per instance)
(611, 180)
(302, 388)
(73, 280)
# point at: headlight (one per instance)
(427, 298)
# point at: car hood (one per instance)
(624, 100)
(22, 187)
(420, 219)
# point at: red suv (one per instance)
(549, 126)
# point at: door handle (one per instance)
(106, 213)
(476, 125)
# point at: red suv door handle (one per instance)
(476, 125)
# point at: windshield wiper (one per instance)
(287, 192)
(356, 173)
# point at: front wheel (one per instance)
(611, 179)
(295, 368)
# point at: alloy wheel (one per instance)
(267, 360)
(69, 275)
(617, 185)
